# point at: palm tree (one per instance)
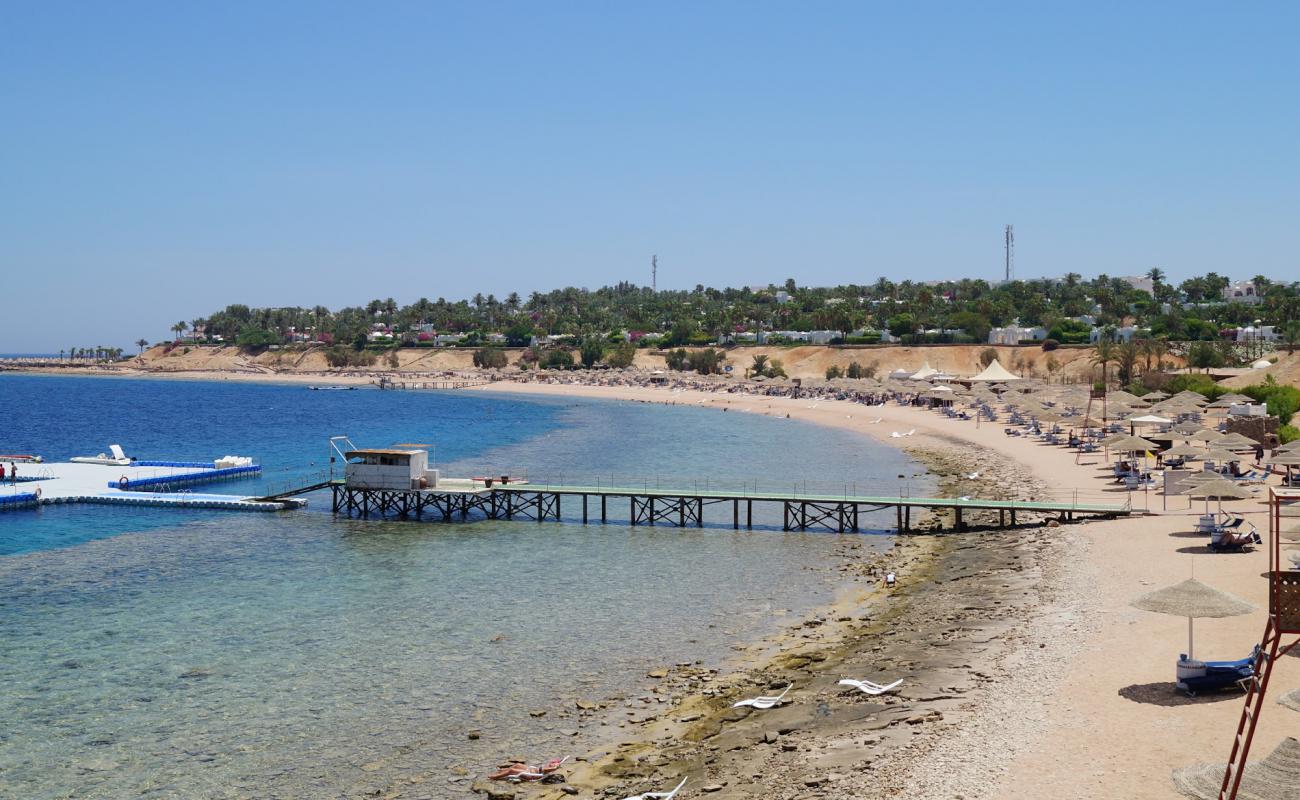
(1126, 356)
(759, 366)
(1102, 356)
(142, 344)
(178, 329)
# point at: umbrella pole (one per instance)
(1190, 656)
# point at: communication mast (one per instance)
(1011, 250)
(654, 273)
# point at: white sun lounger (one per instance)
(869, 687)
(658, 795)
(764, 702)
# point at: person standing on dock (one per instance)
(13, 473)
(2, 473)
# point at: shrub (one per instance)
(557, 359)
(987, 356)
(707, 362)
(676, 359)
(1288, 433)
(339, 356)
(1050, 344)
(591, 351)
(250, 336)
(1282, 400)
(833, 372)
(865, 338)
(489, 358)
(620, 355)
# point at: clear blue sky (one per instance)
(160, 160)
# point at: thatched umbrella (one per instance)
(1220, 456)
(1277, 777)
(1235, 441)
(1207, 435)
(1186, 451)
(1220, 490)
(1291, 699)
(1287, 460)
(1194, 600)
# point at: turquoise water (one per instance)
(215, 654)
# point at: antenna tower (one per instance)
(1011, 250)
(654, 273)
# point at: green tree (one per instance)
(833, 372)
(591, 351)
(490, 358)
(1102, 356)
(140, 343)
(759, 367)
(178, 329)
(707, 361)
(621, 355)
(676, 359)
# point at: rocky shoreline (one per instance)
(972, 627)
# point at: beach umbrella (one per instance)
(1183, 451)
(1277, 777)
(1206, 435)
(1219, 455)
(1290, 447)
(1218, 489)
(1291, 699)
(1187, 428)
(1153, 396)
(1133, 444)
(1290, 534)
(1194, 600)
(1235, 441)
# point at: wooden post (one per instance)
(735, 515)
(584, 509)
(631, 509)
(749, 515)
(699, 512)
(899, 509)
(557, 507)
(960, 525)
(603, 516)
(681, 512)
(652, 510)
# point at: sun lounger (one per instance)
(1224, 539)
(658, 795)
(764, 702)
(1207, 676)
(871, 688)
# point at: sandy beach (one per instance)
(1063, 689)
(1025, 668)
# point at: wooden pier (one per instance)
(682, 507)
(432, 383)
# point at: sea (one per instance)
(210, 654)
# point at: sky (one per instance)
(159, 161)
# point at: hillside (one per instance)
(1070, 364)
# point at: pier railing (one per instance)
(843, 490)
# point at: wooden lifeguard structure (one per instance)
(1283, 620)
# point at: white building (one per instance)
(1124, 334)
(1141, 283)
(389, 469)
(1262, 333)
(1015, 334)
(1242, 292)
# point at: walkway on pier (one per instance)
(161, 484)
(685, 507)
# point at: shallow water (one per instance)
(159, 653)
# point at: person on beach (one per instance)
(2, 473)
(13, 473)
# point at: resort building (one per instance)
(1015, 334)
(1242, 292)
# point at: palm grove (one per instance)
(592, 322)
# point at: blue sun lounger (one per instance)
(1209, 676)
